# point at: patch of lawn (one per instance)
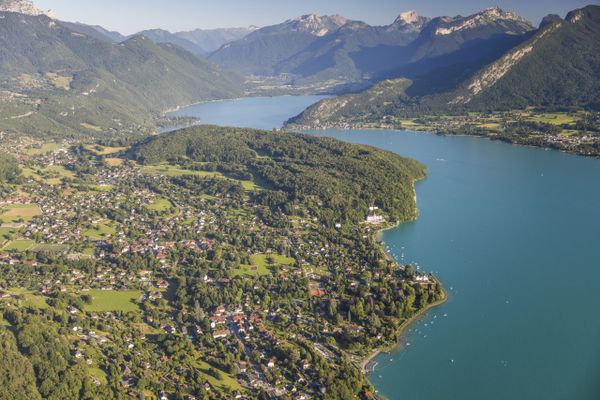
(6, 234)
(160, 205)
(554, 118)
(50, 248)
(113, 300)
(19, 245)
(52, 175)
(226, 381)
(100, 232)
(59, 171)
(28, 298)
(88, 251)
(104, 151)
(90, 127)
(99, 374)
(61, 82)
(263, 260)
(171, 170)
(11, 213)
(101, 188)
(42, 149)
(114, 162)
(252, 270)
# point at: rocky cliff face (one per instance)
(410, 20)
(23, 7)
(497, 70)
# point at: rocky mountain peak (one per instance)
(408, 17)
(485, 17)
(496, 13)
(549, 19)
(318, 25)
(23, 7)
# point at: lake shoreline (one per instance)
(366, 361)
(500, 139)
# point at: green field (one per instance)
(28, 298)
(104, 151)
(6, 234)
(50, 248)
(10, 213)
(171, 170)
(100, 232)
(101, 188)
(99, 374)
(261, 260)
(227, 381)
(261, 264)
(52, 175)
(113, 300)
(114, 162)
(554, 118)
(160, 205)
(252, 270)
(19, 245)
(43, 149)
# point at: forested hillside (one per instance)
(347, 178)
(9, 168)
(60, 82)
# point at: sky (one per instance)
(130, 16)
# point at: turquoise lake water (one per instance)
(513, 233)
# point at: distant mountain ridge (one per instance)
(200, 41)
(259, 52)
(58, 81)
(210, 40)
(320, 49)
(94, 31)
(557, 66)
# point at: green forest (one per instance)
(339, 179)
(9, 168)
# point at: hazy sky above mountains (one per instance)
(129, 16)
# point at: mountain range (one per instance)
(556, 66)
(320, 48)
(71, 77)
(55, 80)
(199, 41)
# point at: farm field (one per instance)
(11, 213)
(114, 162)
